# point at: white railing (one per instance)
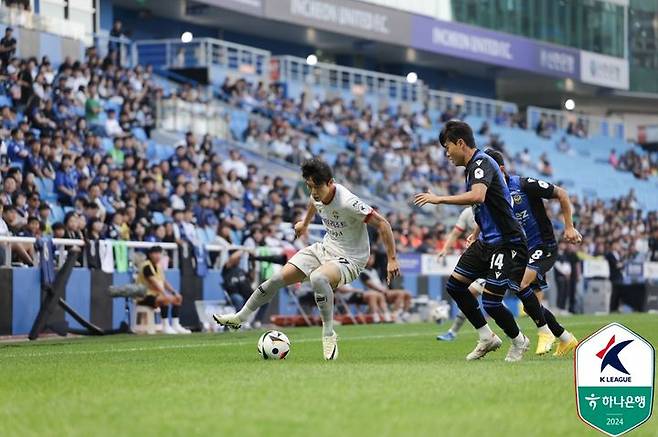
(58, 26)
(204, 52)
(124, 46)
(354, 80)
(476, 106)
(603, 126)
(61, 244)
(202, 118)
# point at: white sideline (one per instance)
(199, 345)
(218, 343)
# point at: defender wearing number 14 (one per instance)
(499, 255)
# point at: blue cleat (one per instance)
(448, 336)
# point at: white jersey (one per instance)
(344, 218)
(466, 220)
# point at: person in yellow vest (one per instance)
(159, 292)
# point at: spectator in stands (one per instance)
(375, 301)
(543, 128)
(8, 227)
(484, 129)
(563, 145)
(65, 182)
(235, 162)
(160, 293)
(400, 299)
(112, 127)
(544, 166)
(565, 271)
(8, 190)
(616, 264)
(7, 47)
(44, 218)
(92, 105)
(16, 149)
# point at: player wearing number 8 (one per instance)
(529, 210)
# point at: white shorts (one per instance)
(312, 257)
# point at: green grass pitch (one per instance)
(390, 380)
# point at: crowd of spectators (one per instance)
(643, 165)
(76, 126)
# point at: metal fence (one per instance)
(315, 234)
(203, 52)
(354, 80)
(603, 126)
(476, 106)
(177, 115)
(43, 23)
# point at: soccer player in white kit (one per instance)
(337, 260)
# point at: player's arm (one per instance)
(570, 233)
(302, 226)
(476, 195)
(375, 220)
(473, 236)
(450, 242)
(542, 189)
(481, 175)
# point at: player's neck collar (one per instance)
(331, 197)
(476, 151)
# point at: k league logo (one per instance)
(614, 375)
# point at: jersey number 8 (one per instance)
(535, 256)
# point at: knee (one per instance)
(318, 280)
(491, 302)
(454, 286)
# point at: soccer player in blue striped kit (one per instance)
(499, 255)
(529, 210)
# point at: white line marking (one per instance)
(232, 343)
(199, 345)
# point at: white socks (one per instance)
(485, 332)
(566, 336)
(262, 295)
(324, 298)
(544, 329)
(519, 340)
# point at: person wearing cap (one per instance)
(159, 292)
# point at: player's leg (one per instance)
(472, 265)
(324, 280)
(289, 274)
(475, 288)
(535, 310)
(507, 265)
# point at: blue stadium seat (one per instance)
(158, 218)
(139, 134)
(5, 101)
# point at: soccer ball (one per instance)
(273, 345)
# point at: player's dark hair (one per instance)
(454, 130)
(497, 156)
(317, 170)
